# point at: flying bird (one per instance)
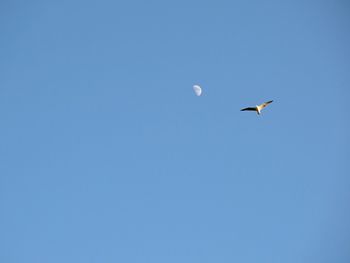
(257, 108)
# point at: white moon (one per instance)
(197, 89)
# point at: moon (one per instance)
(197, 90)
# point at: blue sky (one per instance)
(108, 156)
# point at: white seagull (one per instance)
(257, 108)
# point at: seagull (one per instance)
(257, 108)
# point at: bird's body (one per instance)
(258, 108)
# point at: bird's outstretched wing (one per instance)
(249, 108)
(265, 104)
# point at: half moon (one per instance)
(197, 90)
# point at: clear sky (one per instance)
(107, 155)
